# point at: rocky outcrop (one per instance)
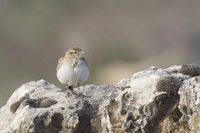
(150, 101)
(189, 104)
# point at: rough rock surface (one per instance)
(190, 103)
(150, 101)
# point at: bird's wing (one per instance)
(59, 63)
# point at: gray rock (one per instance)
(150, 101)
(190, 103)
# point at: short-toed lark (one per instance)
(72, 69)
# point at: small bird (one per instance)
(72, 69)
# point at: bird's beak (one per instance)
(82, 52)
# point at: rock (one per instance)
(189, 104)
(150, 101)
(153, 96)
(190, 69)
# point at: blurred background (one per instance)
(120, 37)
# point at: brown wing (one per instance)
(59, 63)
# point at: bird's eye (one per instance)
(75, 52)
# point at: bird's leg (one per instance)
(78, 89)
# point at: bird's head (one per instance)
(75, 52)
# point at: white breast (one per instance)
(73, 75)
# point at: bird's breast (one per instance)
(67, 74)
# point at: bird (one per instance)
(72, 68)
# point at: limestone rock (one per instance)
(150, 101)
(152, 96)
(190, 103)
